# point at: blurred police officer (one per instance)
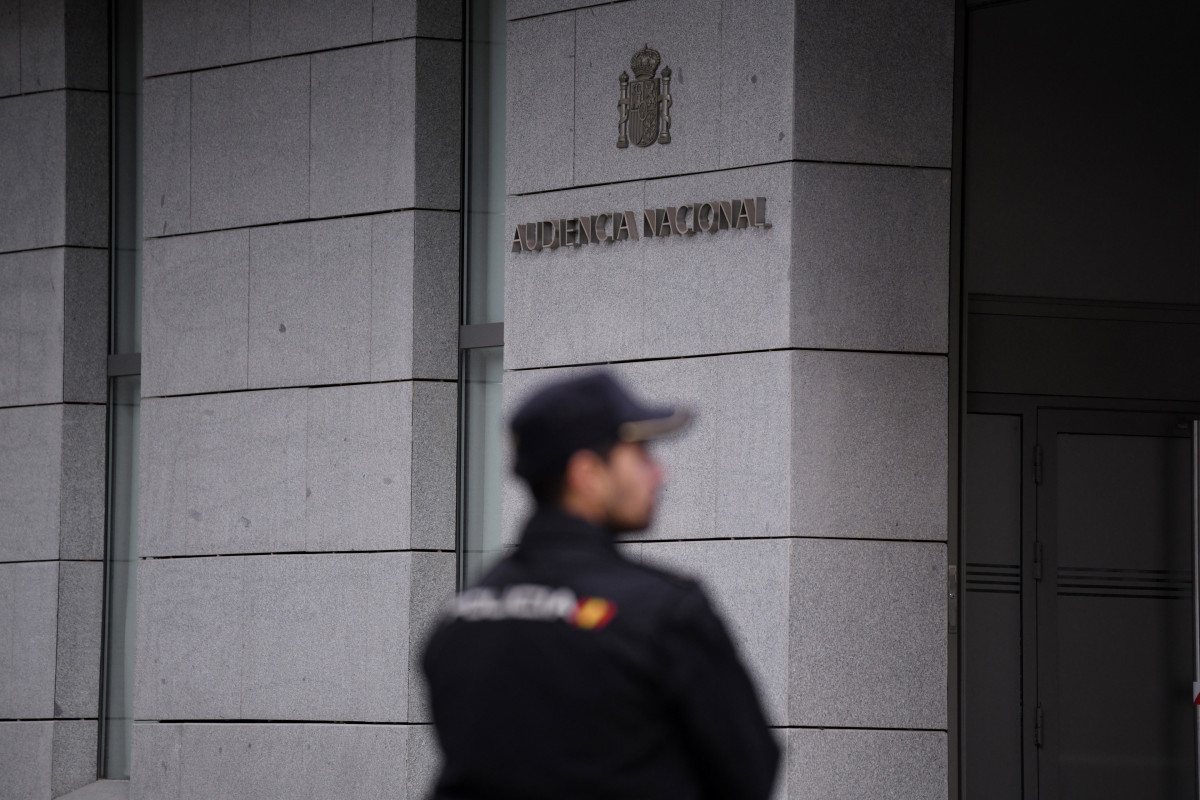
(569, 671)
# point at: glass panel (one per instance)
(126, 200)
(484, 237)
(121, 573)
(482, 460)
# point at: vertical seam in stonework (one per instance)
(574, 88)
(249, 283)
(191, 144)
(371, 299)
(721, 85)
(308, 417)
(20, 43)
(310, 125)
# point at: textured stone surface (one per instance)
(43, 45)
(194, 313)
(438, 129)
(28, 615)
(434, 464)
(180, 35)
(166, 155)
(224, 762)
(758, 78)
(869, 445)
(30, 470)
(872, 258)
(688, 39)
(10, 48)
(250, 144)
(874, 81)
(74, 759)
(81, 505)
(87, 196)
(434, 295)
(321, 637)
(748, 584)
(867, 634)
(728, 476)
(33, 170)
(540, 96)
(400, 19)
(310, 303)
(223, 473)
(286, 27)
(424, 761)
(364, 126)
(80, 622)
(25, 753)
(101, 790)
(676, 295)
(845, 764)
(85, 326)
(31, 327)
(433, 579)
(358, 466)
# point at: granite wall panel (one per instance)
(29, 615)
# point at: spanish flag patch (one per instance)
(592, 613)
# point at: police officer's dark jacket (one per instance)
(570, 672)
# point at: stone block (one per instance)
(189, 648)
(518, 9)
(729, 475)
(31, 327)
(414, 296)
(81, 497)
(758, 76)
(433, 579)
(195, 314)
(287, 27)
(364, 127)
(541, 97)
(437, 135)
(29, 615)
(73, 764)
(434, 473)
(87, 187)
(86, 32)
(359, 491)
(674, 295)
(424, 761)
(166, 155)
(872, 258)
(62, 44)
(747, 581)
(401, 19)
(320, 637)
(310, 303)
(156, 754)
(180, 35)
(33, 170)
(874, 82)
(869, 445)
(868, 634)
(687, 37)
(250, 144)
(101, 790)
(10, 48)
(85, 326)
(26, 750)
(225, 761)
(223, 474)
(31, 449)
(80, 622)
(846, 764)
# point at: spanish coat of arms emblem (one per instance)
(645, 102)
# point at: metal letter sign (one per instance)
(645, 103)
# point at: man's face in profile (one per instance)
(634, 478)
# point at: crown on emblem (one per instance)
(645, 63)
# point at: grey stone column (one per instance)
(810, 497)
(300, 316)
(53, 344)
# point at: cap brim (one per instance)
(647, 429)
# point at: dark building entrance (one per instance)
(1081, 269)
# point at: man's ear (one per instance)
(582, 470)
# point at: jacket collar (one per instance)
(553, 527)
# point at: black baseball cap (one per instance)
(591, 410)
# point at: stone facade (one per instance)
(299, 364)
